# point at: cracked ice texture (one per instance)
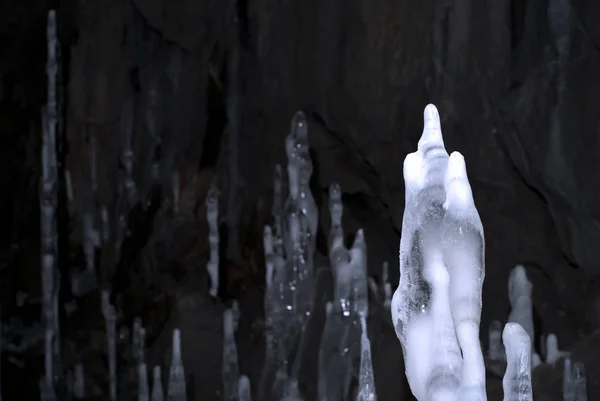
(436, 308)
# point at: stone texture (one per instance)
(363, 72)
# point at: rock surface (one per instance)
(214, 85)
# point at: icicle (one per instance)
(278, 204)
(580, 382)
(212, 216)
(79, 382)
(177, 387)
(127, 155)
(553, 354)
(366, 381)
(143, 390)
(569, 389)
(105, 224)
(230, 357)
(138, 340)
(48, 205)
(517, 379)
(157, 387)
(244, 389)
(386, 285)
(338, 254)
(495, 350)
(108, 311)
(176, 187)
(519, 295)
(275, 320)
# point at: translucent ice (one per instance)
(230, 357)
(157, 387)
(244, 389)
(519, 295)
(176, 390)
(366, 381)
(553, 354)
(212, 216)
(517, 379)
(437, 306)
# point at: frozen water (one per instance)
(437, 306)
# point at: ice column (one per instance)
(212, 216)
(176, 387)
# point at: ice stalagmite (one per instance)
(553, 354)
(386, 286)
(244, 389)
(230, 357)
(212, 216)
(158, 393)
(110, 317)
(517, 379)
(79, 382)
(495, 349)
(519, 295)
(176, 389)
(437, 306)
(366, 381)
(274, 372)
(340, 339)
(143, 388)
(574, 381)
(48, 226)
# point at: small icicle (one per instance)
(230, 357)
(580, 382)
(366, 381)
(111, 333)
(386, 285)
(177, 387)
(553, 354)
(244, 389)
(176, 187)
(143, 390)
(212, 216)
(158, 393)
(495, 350)
(79, 382)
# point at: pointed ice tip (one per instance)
(456, 167)
(432, 130)
(176, 341)
(299, 124)
(335, 191)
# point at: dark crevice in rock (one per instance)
(215, 126)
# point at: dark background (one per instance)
(517, 85)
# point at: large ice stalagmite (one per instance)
(436, 308)
(441, 274)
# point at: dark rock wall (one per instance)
(515, 82)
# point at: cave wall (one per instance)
(514, 99)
